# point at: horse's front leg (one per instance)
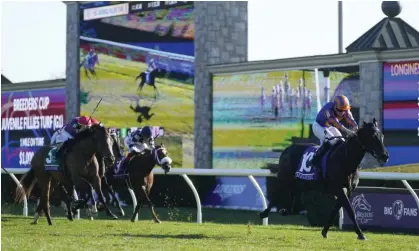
(343, 198)
(156, 91)
(150, 204)
(114, 198)
(98, 187)
(68, 199)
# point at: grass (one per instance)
(409, 168)
(241, 230)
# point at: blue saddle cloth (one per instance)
(307, 172)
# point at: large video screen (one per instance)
(401, 111)
(256, 116)
(28, 120)
(138, 57)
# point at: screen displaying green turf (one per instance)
(141, 65)
(256, 115)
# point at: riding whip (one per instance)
(90, 117)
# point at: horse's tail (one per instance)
(28, 181)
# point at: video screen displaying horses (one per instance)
(139, 58)
(401, 111)
(255, 116)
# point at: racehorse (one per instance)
(140, 175)
(339, 172)
(150, 81)
(79, 165)
(106, 174)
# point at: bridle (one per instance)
(166, 160)
(372, 152)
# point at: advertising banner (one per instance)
(401, 111)
(236, 193)
(28, 120)
(377, 209)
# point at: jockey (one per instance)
(328, 125)
(70, 130)
(136, 143)
(151, 66)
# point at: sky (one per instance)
(33, 34)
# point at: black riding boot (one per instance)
(315, 161)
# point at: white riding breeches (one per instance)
(138, 148)
(60, 136)
(322, 132)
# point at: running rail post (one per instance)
(197, 199)
(415, 196)
(261, 195)
(25, 200)
(76, 197)
(134, 201)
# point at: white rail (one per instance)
(138, 48)
(250, 173)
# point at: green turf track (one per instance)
(222, 230)
(240, 230)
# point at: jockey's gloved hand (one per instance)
(151, 142)
(348, 132)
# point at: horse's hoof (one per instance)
(114, 217)
(121, 213)
(283, 212)
(263, 215)
(133, 220)
(91, 218)
(362, 237)
(324, 234)
(157, 221)
(34, 223)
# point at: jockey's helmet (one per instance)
(342, 103)
(146, 132)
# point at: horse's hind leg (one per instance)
(265, 213)
(98, 188)
(44, 202)
(332, 216)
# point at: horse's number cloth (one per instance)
(51, 162)
(306, 171)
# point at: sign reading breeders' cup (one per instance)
(387, 210)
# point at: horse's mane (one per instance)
(86, 133)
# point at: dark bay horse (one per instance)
(151, 81)
(79, 165)
(141, 177)
(340, 171)
(106, 174)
